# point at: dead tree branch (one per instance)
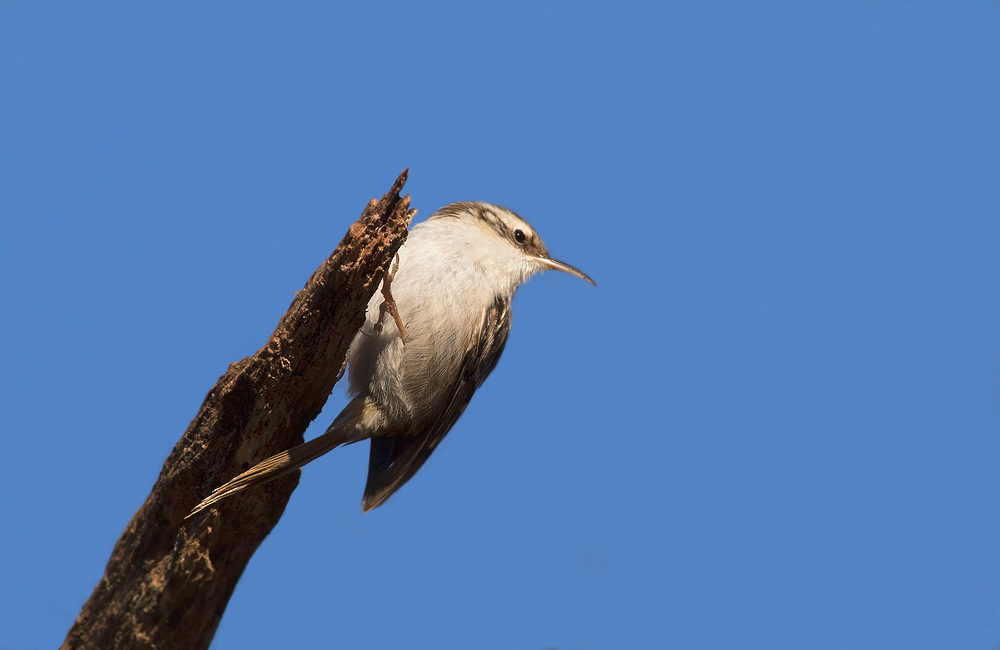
(168, 581)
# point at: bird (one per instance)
(411, 376)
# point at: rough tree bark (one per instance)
(168, 581)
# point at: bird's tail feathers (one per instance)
(343, 430)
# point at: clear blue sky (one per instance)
(774, 424)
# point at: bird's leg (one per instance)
(388, 303)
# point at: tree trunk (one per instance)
(168, 580)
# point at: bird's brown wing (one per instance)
(396, 457)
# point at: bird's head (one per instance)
(507, 241)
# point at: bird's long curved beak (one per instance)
(563, 266)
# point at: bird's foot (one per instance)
(388, 303)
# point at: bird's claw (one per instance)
(388, 303)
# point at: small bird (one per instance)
(411, 377)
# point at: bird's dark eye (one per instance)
(519, 236)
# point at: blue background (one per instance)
(774, 424)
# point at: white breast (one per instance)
(442, 289)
